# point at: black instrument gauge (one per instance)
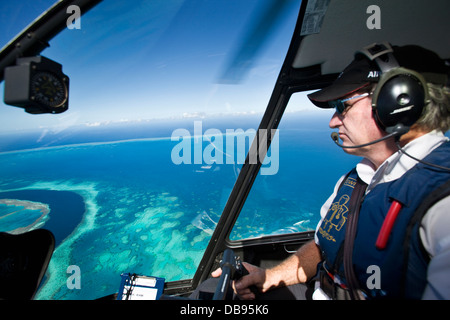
(38, 85)
(48, 89)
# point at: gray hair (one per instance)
(436, 115)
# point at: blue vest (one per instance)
(401, 266)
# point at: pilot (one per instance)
(392, 108)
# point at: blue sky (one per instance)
(155, 59)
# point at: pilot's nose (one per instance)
(335, 121)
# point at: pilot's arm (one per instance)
(298, 268)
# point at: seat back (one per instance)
(24, 258)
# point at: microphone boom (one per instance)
(335, 137)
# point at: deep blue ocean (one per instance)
(118, 202)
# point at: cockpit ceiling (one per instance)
(344, 29)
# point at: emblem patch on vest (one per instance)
(336, 216)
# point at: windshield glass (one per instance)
(290, 200)
(134, 176)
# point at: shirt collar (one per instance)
(398, 163)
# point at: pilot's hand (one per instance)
(247, 286)
(216, 273)
(242, 287)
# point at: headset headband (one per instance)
(375, 51)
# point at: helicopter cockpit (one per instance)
(153, 137)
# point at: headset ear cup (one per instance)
(399, 98)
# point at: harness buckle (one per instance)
(332, 286)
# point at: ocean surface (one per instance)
(117, 201)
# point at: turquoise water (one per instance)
(119, 207)
(15, 216)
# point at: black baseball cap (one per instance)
(362, 71)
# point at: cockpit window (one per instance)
(302, 161)
(134, 176)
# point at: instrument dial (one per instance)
(48, 89)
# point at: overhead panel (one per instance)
(335, 29)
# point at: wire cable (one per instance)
(418, 160)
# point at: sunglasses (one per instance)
(339, 104)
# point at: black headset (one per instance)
(400, 95)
